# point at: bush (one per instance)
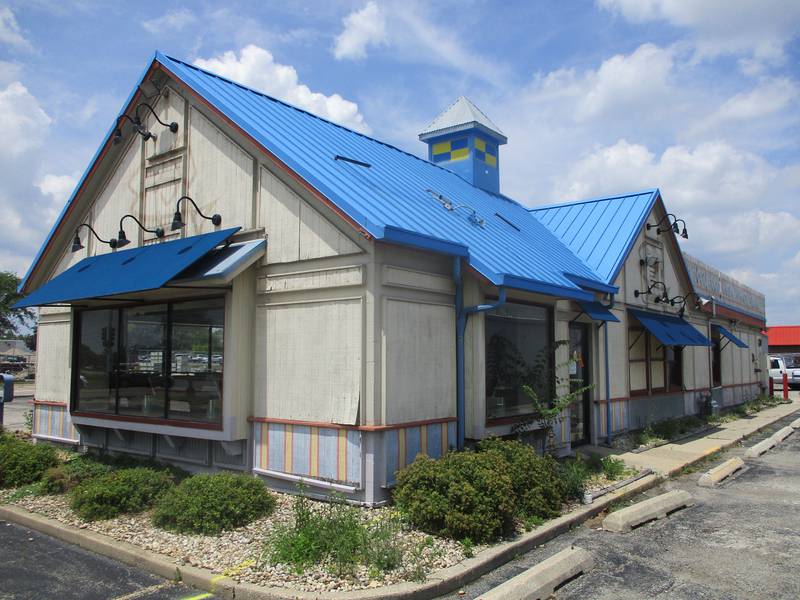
(461, 495)
(538, 489)
(209, 504)
(574, 474)
(63, 478)
(336, 536)
(22, 463)
(614, 468)
(118, 492)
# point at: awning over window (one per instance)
(127, 271)
(221, 265)
(597, 312)
(670, 330)
(730, 336)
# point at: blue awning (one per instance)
(223, 264)
(597, 312)
(670, 330)
(731, 337)
(127, 271)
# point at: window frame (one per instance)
(74, 407)
(551, 343)
(648, 360)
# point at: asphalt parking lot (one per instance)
(34, 566)
(740, 541)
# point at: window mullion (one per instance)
(168, 361)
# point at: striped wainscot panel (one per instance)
(52, 422)
(619, 416)
(402, 445)
(328, 454)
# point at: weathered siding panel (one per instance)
(419, 361)
(220, 177)
(168, 109)
(312, 280)
(119, 196)
(53, 358)
(296, 230)
(312, 354)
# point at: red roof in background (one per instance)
(784, 335)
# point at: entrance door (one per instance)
(580, 376)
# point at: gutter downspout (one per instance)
(608, 376)
(461, 327)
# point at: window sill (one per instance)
(151, 420)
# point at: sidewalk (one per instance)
(671, 458)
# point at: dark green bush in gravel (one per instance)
(22, 463)
(539, 490)
(119, 492)
(62, 478)
(211, 503)
(461, 495)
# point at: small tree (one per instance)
(548, 401)
(13, 322)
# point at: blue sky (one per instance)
(701, 99)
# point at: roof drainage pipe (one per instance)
(462, 313)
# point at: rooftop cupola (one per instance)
(465, 140)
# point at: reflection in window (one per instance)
(196, 389)
(141, 361)
(518, 353)
(122, 365)
(95, 388)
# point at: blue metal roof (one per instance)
(138, 269)
(669, 329)
(600, 231)
(731, 337)
(389, 198)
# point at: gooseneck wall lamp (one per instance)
(138, 127)
(699, 302)
(177, 219)
(661, 298)
(673, 225)
(122, 239)
(76, 243)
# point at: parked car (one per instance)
(777, 367)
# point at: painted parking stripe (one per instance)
(144, 591)
(199, 596)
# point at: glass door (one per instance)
(579, 376)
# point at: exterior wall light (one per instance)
(699, 302)
(139, 128)
(662, 298)
(76, 243)
(177, 219)
(674, 226)
(122, 239)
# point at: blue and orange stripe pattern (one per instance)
(327, 453)
(619, 416)
(52, 421)
(402, 445)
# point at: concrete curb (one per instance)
(441, 582)
(540, 581)
(659, 507)
(760, 448)
(782, 434)
(713, 476)
(795, 424)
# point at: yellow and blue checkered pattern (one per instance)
(451, 150)
(486, 152)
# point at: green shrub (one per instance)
(574, 474)
(22, 463)
(538, 488)
(335, 536)
(62, 478)
(614, 468)
(210, 504)
(461, 495)
(119, 492)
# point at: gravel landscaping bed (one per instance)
(238, 553)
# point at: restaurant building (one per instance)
(236, 283)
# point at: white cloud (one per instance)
(173, 20)
(767, 98)
(722, 26)
(362, 28)
(58, 187)
(256, 68)
(22, 120)
(10, 32)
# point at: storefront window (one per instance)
(653, 367)
(518, 353)
(96, 359)
(716, 358)
(129, 373)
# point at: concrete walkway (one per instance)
(670, 458)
